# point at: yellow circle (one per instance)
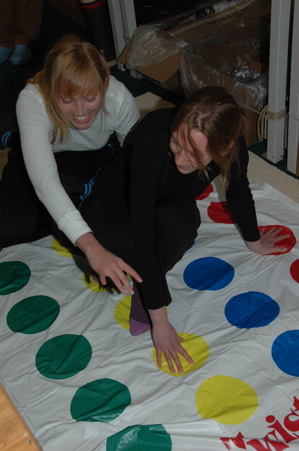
(226, 400)
(196, 347)
(64, 251)
(92, 284)
(122, 312)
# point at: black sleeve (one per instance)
(145, 164)
(239, 196)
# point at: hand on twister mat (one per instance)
(276, 239)
(267, 244)
(106, 264)
(167, 342)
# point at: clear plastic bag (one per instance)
(152, 44)
(149, 46)
(234, 56)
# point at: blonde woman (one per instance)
(73, 118)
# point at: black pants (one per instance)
(177, 221)
(23, 217)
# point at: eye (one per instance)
(66, 101)
(91, 98)
(176, 144)
(190, 153)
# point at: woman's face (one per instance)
(82, 110)
(184, 157)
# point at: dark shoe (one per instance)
(21, 55)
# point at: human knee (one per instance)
(176, 219)
(119, 242)
(12, 233)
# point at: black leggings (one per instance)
(23, 217)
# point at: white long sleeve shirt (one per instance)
(36, 133)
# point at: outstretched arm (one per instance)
(242, 205)
(106, 264)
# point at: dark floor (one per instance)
(13, 78)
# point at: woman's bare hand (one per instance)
(267, 242)
(167, 341)
(106, 264)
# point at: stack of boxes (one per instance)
(229, 48)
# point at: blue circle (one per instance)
(208, 273)
(285, 352)
(191, 244)
(251, 309)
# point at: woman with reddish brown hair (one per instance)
(149, 213)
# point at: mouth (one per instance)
(81, 118)
(183, 168)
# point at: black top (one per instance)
(147, 172)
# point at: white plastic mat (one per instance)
(82, 382)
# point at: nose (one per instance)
(80, 108)
(180, 158)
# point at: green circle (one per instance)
(13, 276)
(33, 314)
(101, 400)
(63, 356)
(138, 438)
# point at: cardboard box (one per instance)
(235, 57)
(229, 37)
(165, 71)
(195, 74)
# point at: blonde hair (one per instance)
(215, 113)
(72, 67)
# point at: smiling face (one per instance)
(81, 110)
(184, 153)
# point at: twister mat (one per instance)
(82, 382)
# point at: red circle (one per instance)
(289, 242)
(294, 270)
(209, 189)
(220, 213)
